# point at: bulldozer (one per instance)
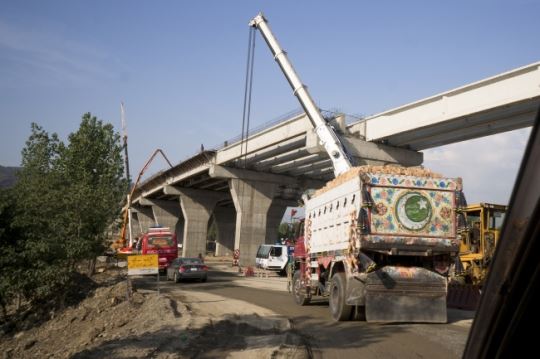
(484, 222)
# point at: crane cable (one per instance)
(246, 112)
(248, 87)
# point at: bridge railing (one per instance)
(282, 118)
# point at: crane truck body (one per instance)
(377, 241)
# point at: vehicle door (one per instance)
(261, 259)
(173, 267)
(275, 257)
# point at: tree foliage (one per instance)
(10, 260)
(66, 198)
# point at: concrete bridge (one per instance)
(247, 186)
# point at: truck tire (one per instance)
(299, 296)
(338, 309)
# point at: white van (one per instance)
(272, 257)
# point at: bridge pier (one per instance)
(145, 220)
(197, 207)
(225, 218)
(135, 227)
(252, 200)
(273, 219)
(166, 213)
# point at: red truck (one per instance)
(160, 241)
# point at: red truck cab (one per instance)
(160, 241)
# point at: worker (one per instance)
(323, 278)
(138, 244)
(201, 257)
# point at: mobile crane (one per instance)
(378, 241)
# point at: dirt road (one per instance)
(181, 324)
(336, 340)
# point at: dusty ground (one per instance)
(193, 325)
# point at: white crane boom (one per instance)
(326, 134)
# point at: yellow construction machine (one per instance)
(484, 221)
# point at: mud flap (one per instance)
(405, 294)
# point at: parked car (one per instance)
(187, 268)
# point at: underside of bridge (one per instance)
(247, 196)
(245, 186)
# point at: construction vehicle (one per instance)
(484, 222)
(124, 245)
(158, 240)
(273, 257)
(378, 241)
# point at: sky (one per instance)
(179, 67)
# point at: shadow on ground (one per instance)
(214, 340)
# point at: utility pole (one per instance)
(126, 158)
(125, 138)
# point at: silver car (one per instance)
(187, 268)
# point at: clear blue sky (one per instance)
(179, 67)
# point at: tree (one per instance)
(65, 200)
(38, 217)
(10, 259)
(92, 163)
(284, 230)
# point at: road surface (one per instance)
(330, 339)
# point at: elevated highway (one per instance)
(246, 186)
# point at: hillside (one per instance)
(8, 176)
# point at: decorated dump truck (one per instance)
(379, 242)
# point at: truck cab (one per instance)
(160, 241)
(273, 257)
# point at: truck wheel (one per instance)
(299, 296)
(338, 309)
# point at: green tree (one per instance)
(93, 166)
(38, 216)
(284, 230)
(10, 259)
(66, 199)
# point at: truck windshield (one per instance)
(160, 242)
(263, 251)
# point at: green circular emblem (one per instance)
(413, 210)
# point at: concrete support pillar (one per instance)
(179, 230)
(145, 217)
(166, 213)
(197, 207)
(135, 227)
(273, 220)
(252, 201)
(225, 218)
